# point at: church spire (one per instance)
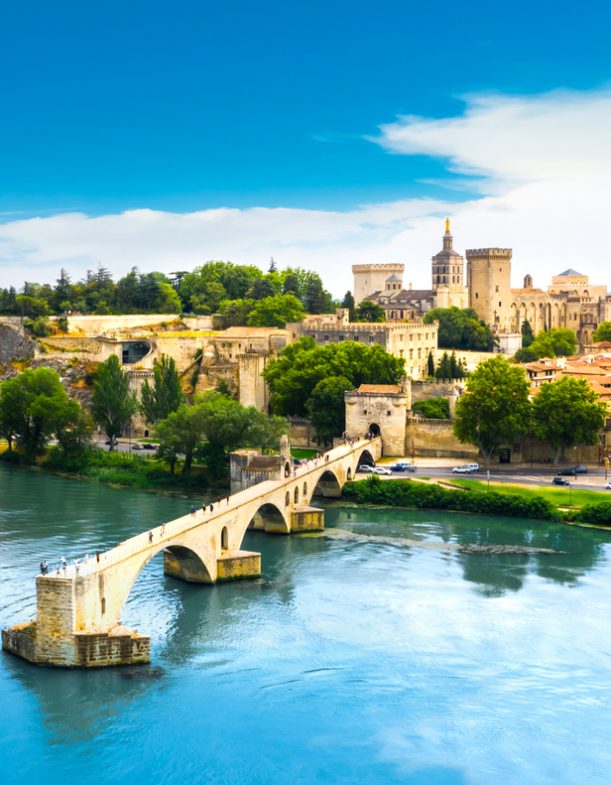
(447, 238)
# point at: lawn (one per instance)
(302, 453)
(560, 496)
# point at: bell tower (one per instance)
(448, 274)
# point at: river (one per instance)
(400, 648)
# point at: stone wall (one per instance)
(93, 324)
(434, 438)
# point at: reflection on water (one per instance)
(397, 648)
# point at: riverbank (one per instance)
(511, 501)
(121, 469)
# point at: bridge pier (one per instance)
(307, 519)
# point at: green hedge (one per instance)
(600, 513)
(407, 493)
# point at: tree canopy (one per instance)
(495, 408)
(276, 311)
(368, 311)
(602, 332)
(114, 404)
(34, 406)
(214, 426)
(461, 329)
(557, 342)
(165, 395)
(568, 413)
(299, 370)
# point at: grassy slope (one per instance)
(561, 496)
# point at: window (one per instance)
(400, 352)
(326, 337)
(388, 412)
(496, 288)
(499, 303)
(371, 339)
(364, 411)
(477, 295)
(340, 337)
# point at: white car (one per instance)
(365, 469)
(468, 468)
(608, 486)
(381, 470)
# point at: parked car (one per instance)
(365, 468)
(137, 446)
(381, 470)
(608, 486)
(581, 469)
(560, 481)
(468, 468)
(149, 446)
(566, 472)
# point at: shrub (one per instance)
(433, 408)
(598, 512)
(406, 493)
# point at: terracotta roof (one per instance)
(380, 389)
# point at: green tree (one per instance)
(602, 332)
(31, 306)
(276, 311)
(433, 408)
(348, 302)
(235, 313)
(368, 311)
(114, 404)
(35, 406)
(527, 334)
(444, 367)
(294, 374)
(568, 413)
(165, 395)
(430, 365)
(326, 407)
(495, 408)
(461, 329)
(180, 434)
(557, 342)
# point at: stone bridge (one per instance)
(78, 610)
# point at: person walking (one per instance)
(44, 567)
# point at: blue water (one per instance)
(385, 657)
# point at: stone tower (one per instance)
(448, 275)
(488, 279)
(370, 278)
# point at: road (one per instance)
(539, 475)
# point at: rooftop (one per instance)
(571, 272)
(380, 389)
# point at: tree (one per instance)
(461, 329)
(602, 332)
(35, 406)
(179, 434)
(433, 408)
(369, 311)
(31, 306)
(276, 311)
(495, 408)
(165, 396)
(567, 413)
(114, 404)
(327, 409)
(444, 368)
(294, 374)
(235, 312)
(430, 365)
(527, 334)
(557, 342)
(348, 302)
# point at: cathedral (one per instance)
(570, 301)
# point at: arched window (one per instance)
(305, 489)
(296, 495)
(224, 538)
(287, 499)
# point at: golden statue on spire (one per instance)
(447, 226)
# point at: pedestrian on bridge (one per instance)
(44, 567)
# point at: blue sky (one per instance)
(186, 107)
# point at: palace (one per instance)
(570, 301)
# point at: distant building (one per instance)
(411, 341)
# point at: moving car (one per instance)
(468, 468)
(365, 469)
(149, 446)
(381, 470)
(560, 481)
(608, 486)
(402, 466)
(566, 472)
(581, 469)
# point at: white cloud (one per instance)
(543, 166)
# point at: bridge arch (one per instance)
(270, 518)
(365, 459)
(328, 485)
